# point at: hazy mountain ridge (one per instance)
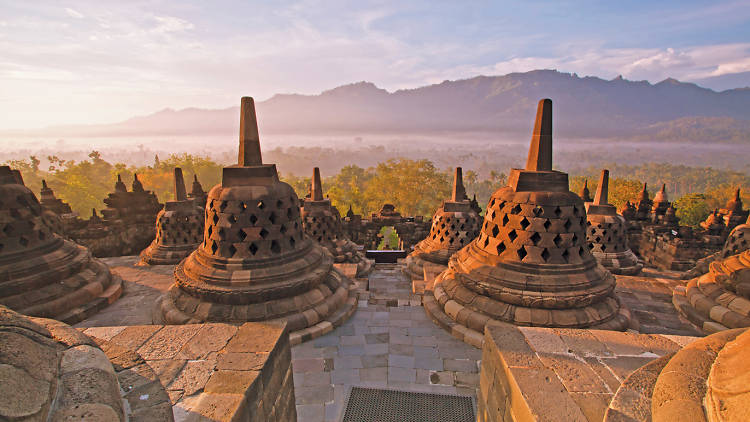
(587, 107)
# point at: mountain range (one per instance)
(586, 107)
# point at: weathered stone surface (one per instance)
(530, 264)
(255, 262)
(43, 274)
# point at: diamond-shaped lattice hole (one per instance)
(253, 219)
(565, 255)
(292, 241)
(261, 205)
(275, 247)
(500, 248)
(243, 207)
(574, 239)
(223, 206)
(558, 211)
(232, 250)
(282, 229)
(263, 233)
(216, 218)
(279, 203)
(598, 239)
(525, 223)
(214, 247)
(289, 213)
(604, 248)
(567, 224)
(512, 235)
(210, 230)
(558, 240)
(505, 219)
(23, 241)
(591, 246)
(545, 254)
(242, 235)
(580, 251)
(272, 217)
(535, 238)
(522, 253)
(516, 209)
(495, 231)
(547, 224)
(232, 219)
(537, 211)
(253, 248)
(8, 229)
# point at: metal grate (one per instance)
(375, 405)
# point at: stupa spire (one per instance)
(44, 184)
(119, 185)
(602, 191)
(459, 192)
(540, 152)
(316, 188)
(249, 154)
(179, 185)
(585, 194)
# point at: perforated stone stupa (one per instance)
(179, 228)
(42, 274)
(530, 264)
(322, 223)
(607, 233)
(454, 225)
(255, 262)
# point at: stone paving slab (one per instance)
(380, 346)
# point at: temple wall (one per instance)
(545, 374)
(206, 372)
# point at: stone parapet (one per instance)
(545, 374)
(216, 372)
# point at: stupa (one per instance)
(138, 206)
(738, 240)
(733, 213)
(51, 203)
(50, 371)
(179, 228)
(660, 204)
(42, 274)
(607, 233)
(585, 194)
(255, 262)
(197, 194)
(643, 204)
(530, 264)
(454, 225)
(704, 381)
(322, 223)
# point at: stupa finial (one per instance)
(249, 139)
(44, 184)
(316, 189)
(459, 192)
(602, 191)
(179, 185)
(540, 152)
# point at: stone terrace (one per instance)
(389, 342)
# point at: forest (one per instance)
(414, 186)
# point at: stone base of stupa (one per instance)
(465, 313)
(159, 254)
(63, 282)
(306, 293)
(620, 263)
(717, 300)
(346, 252)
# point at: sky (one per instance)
(98, 61)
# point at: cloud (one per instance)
(74, 13)
(171, 24)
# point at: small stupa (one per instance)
(137, 206)
(733, 213)
(660, 204)
(179, 228)
(585, 194)
(530, 264)
(643, 204)
(197, 194)
(454, 225)
(322, 223)
(51, 203)
(42, 274)
(607, 233)
(255, 262)
(738, 240)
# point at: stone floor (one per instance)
(389, 342)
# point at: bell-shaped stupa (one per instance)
(322, 223)
(42, 274)
(197, 194)
(179, 228)
(585, 194)
(607, 233)
(454, 225)
(255, 262)
(530, 264)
